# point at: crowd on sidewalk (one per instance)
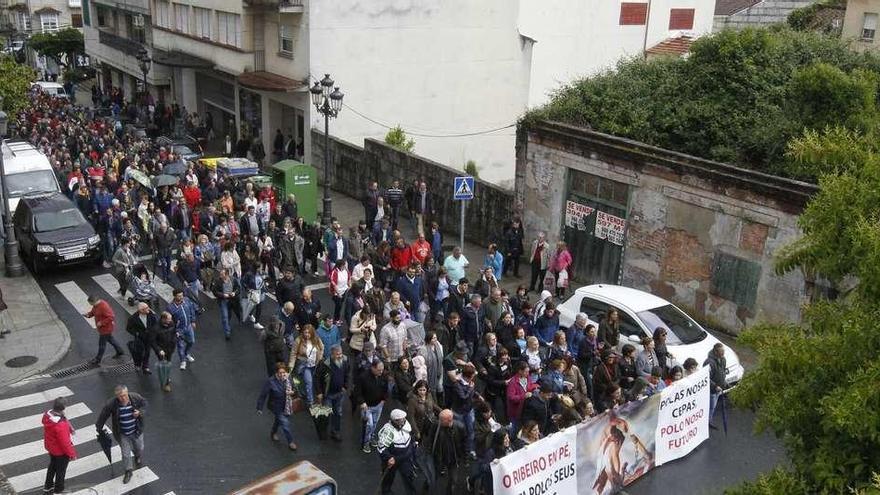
(469, 370)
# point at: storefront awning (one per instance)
(267, 81)
(180, 59)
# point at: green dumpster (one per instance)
(293, 177)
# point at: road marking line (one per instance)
(37, 398)
(108, 282)
(77, 298)
(83, 465)
(139, 477)
(164, 290)
(36, 448)
(318, 286)
(35, 420)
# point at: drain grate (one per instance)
(121, 369)
(74, 370)
(21, 361)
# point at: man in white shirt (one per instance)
(455, 265)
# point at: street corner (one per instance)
(37, 338)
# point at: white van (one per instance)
(51, 88)
(27, 171)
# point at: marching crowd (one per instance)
(469, 370)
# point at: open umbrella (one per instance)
(140, 177)
(176, 168)
(106, 443)
(165, 180)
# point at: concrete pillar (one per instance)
(188, 89)
(237, 111)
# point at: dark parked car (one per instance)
(52, 231)
(187, 147)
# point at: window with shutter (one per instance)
(869, 26)
(682, 19)
(633, 14)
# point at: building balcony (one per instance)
(283, 6)
(291, 7)
(137, 6)
(124, 45)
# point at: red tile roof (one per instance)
(730, 7)
(672, 46)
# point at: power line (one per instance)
(419, 134)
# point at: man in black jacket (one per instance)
(332, 374)
(126, 411)
(542, 408)
(141, 326)
(371, 387)
(717, 377)
(289, 288)
(444, 443)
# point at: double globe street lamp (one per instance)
(144, 62)
(328, 101)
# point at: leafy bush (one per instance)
(397, 138)
(14, 84)
(470, 168)
(739, 97)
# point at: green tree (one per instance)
(397, 138)
(816, 384)
(738, 97)
(61, 46)
(14, 84)
(471, 169)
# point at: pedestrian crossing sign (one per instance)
(463, 188)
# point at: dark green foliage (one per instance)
(740, 97)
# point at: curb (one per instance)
(51, 324)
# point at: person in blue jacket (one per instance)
(495, 261)
(411, 288)
(547, 325)
(278, 394)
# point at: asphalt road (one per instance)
(205, 437)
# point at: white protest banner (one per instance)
(576, 214)
(683, 423)
(543, 468)
(610, 227)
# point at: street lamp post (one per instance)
(14, 267)
(144, 62)
(328, 102)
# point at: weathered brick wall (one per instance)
(687, 219)
(353, 167)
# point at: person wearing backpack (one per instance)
(274, 346)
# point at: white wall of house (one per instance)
(578, 38)
(436, 67)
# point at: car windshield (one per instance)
(30, 182)
(681, 329)
(48, 221)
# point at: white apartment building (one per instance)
(455, 74)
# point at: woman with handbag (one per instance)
(279, 394)
(560, 267)
(253, 293)
(307, 351)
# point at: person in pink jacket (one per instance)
(56, 438)
(519, 388)
(561, 268)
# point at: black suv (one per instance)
(52, 231)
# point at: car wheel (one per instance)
(36, 268)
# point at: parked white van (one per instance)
(27, 171)
(52, 89)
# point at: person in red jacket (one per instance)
(421, 249)
(105, 322)
(401, 255)
(56, 438)
(192, 195)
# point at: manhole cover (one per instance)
(21, 361)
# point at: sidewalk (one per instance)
(38, 338)
(349, 212)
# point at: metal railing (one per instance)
(124, 45)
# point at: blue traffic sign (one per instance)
(463, 188)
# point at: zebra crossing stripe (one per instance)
(36, 448)
(44, 397)
(78, 467)
(139, 477)
(109, 283)
(35, 420)
(77, 298)
(165, 291)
